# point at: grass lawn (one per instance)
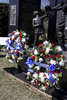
(10, 89)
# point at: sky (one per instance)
(6, 1)
(43, 2)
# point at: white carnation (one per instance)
(7, 55)
(40, 59)
(13, 57)
(61, 63)
(45, 43)
(31, 66)
(40, 75)
(19, 58)
(47, 76)
(58, 48)
(12, 37)
(16, 33)
(35, 75)
(43, 79)
(54, 76)
(36, 52)
(28, 73)
(23, 39)
(43, 88)
(32, 81)
(26, 46)
(47, 50)
(17, 39)
(24, 34)
(52, 62)
(10, 61)
(37, 67)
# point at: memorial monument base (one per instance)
(20, 74)
(52, 94)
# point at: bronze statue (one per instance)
(62, 24)
(37, 23)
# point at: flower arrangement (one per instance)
(16, 46)
(46, 66)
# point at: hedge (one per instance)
(4, 9)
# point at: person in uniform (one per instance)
(61, 24)
(37, 23)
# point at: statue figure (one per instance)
(37, 23)
(61, 24)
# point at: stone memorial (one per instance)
(21, 14)
(46, 55)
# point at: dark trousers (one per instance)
(36, 42)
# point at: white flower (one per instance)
(40, 75)
(17, 39)
(16, 32)
(10, 61)
(32, 81)
(43, 79)
(13, 57)
(40, 59)
(26, 46)
(47, 50)
(61, 63)
(19, 58)
(54, 76)
(58, 48)
(22, 52)
(37, 67)
(7, 55)
(47, 76)
(12, 37)
(11, 51)
(36, 52)
(52, 62)
(18, 43)
(24, 34)
(23, 40)
(28, 73)
(31, 66)
(45, 43)
(43, 88)
(35, 75)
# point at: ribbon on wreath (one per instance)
(16, 46)
(50, 67)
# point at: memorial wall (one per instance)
(21, 15)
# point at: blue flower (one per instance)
(39, 49)
(27, 38)
(57, 64)
(53, 51)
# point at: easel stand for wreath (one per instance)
(41, 69)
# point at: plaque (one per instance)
(13, 15)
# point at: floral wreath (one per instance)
(16, 46)
(46, 66)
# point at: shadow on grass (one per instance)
(57, 94)
(12, 70)
(2, 55)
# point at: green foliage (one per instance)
(4, 8)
